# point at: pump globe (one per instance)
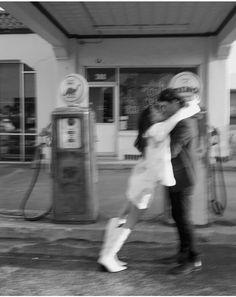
(74, 90)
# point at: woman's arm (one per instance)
(159, 131)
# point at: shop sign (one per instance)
(101, 74)
(187, 84)
(74, 89)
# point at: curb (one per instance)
(155, 232)
(229, 168)
(130, 165)
(115, 165)
(119, 165)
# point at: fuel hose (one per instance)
(38, 162)
(219, 198)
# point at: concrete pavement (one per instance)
(68, 267)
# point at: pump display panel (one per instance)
(69, 133)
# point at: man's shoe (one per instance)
(175, 259)
(186, 268)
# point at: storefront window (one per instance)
(29, 147)
(29, 104)
(17, 111)
(140, 88)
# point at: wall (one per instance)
(219, 101)
(38, 54)
(142, 52)
(63, 68)
(232, 73)
(232, 66)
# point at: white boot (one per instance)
(111, 225)
(108, 237)
(108, 259)
(119, 261)
(120, 222)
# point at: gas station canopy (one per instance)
(106, 19)
(59, 21)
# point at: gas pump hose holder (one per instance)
(218, 202)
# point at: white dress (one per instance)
(156, 165)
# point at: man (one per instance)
(180, 195)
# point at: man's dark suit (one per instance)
(182, 153)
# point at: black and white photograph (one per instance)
(118, 148)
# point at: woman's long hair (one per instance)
(144, 122)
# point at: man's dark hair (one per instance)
(170, 95)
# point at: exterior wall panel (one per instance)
(38, 54)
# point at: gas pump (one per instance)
(73, 155)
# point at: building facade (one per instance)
(124, 76)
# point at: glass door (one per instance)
(102, 100)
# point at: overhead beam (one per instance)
(35, 20)
(227, 36)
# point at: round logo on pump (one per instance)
(188, 85)
(74, 89)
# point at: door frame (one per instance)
(116, 112)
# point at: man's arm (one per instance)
(159, 131)
(180, 136)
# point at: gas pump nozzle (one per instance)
(46, 135)
(214, 134)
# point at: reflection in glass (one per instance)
(9, 148)
(30, 142)
(30, 105)
(101, 99)
(9, 91)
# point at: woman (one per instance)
(153, 142)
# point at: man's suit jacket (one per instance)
(183, 138)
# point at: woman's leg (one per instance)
(133, 216)
(125, 210)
